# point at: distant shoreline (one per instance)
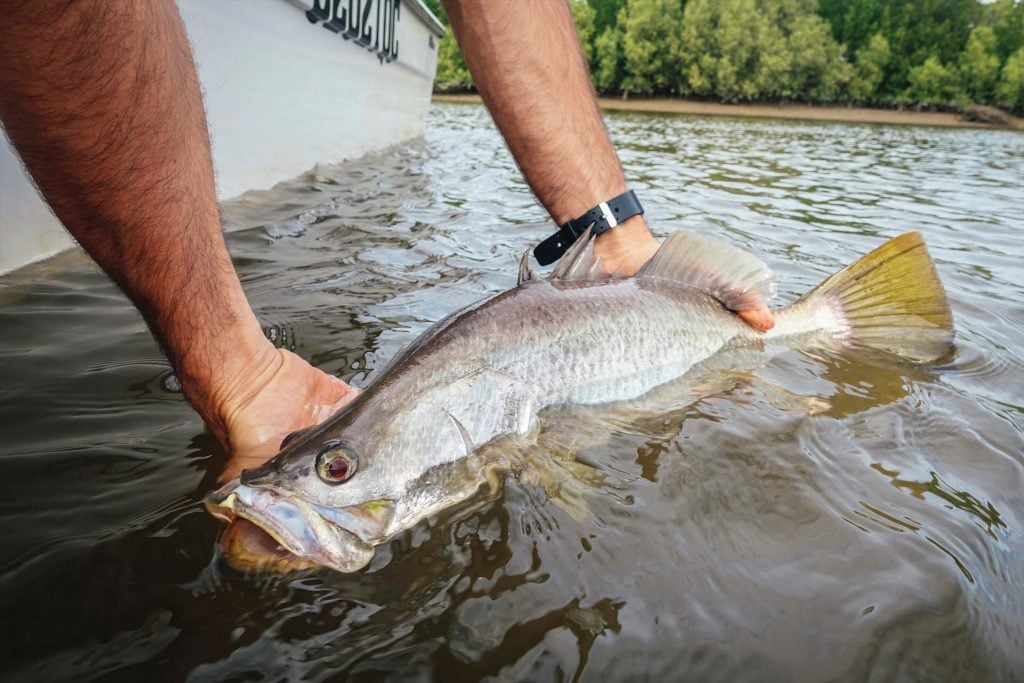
(782, 111)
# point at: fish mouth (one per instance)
(308, 534)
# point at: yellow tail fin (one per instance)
(892, 300)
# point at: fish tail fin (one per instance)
(891, 299)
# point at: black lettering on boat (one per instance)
(386, 30)
(339, 16)
(321, 11)
(354, 15)
(367, 33)
(369, 24)
(392, 51)
(376, 35)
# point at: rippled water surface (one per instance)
(877, 536)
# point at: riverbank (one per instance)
(784, 111)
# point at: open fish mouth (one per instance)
(340, 539)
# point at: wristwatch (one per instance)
(600, 219)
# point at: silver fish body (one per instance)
(404, 447)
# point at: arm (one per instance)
(525, 60)
(102, 102)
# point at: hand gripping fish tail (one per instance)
(422, 437)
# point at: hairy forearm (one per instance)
(526, 62)
(102, 103)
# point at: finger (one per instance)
(342, 396)
(758, 318)
(250, 458)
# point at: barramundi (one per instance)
(406, 448)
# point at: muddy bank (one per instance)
(784, 111)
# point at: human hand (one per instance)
(625, 249)
(282, 394)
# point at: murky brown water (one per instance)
(737, 539)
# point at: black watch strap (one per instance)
(602, 217)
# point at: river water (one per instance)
(877, 536)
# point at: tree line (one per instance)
(927, 53)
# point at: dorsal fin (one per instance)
(734, 277)
(580, 262)
(525, 272)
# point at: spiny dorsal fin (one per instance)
(525, 272)
(580, 262)
(734, 277)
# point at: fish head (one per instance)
(319, 498)
(337, 490)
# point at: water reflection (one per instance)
(962, 500)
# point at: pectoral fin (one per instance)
(467, 440)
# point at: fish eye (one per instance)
(336, 462)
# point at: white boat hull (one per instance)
(282, 94)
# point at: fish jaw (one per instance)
(340, 539)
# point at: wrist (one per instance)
(625, 249)
(220, 377)
(577, 204)
(627, 232)
(598, 220)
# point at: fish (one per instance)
(408, 446)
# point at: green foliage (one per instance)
(718, 48)
(650, 45)
(925, 28)
(933, 83)
(759, 49)
(869, 69)
(1007, 20)
(914, 29)
(931, 52)
(435, 7)
(979, 65)
(608, 52)
(814, 65)
(853, 22)
(1010, 90)
(584, 16)
(606, 14)
(452, 72)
